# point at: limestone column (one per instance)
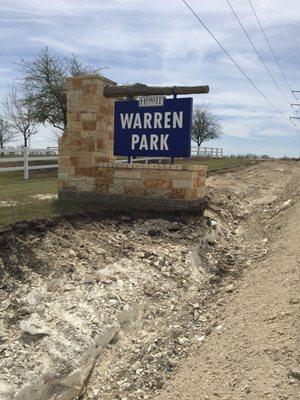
(88, 138)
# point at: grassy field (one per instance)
(37, 198)
(214, 164)
(33, 199)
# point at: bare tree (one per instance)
(205, 125)
(6, 134)
(19, 113)
(45, 84)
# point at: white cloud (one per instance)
(163, 43)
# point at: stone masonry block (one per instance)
(158, 183)
(89, 88)
(178, 194)
(87, 116)
(127, 174)
(200, 192)
(182, 183)
(89, 125)
(116, 189)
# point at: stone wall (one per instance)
(88, 169)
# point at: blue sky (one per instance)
(162, 43)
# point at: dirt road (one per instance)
(158, 306)
(253, 353)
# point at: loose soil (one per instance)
(152, 306)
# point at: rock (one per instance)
(174, 227)
(149, 288)
(229, 288)
(139, 371)
(200, 338)
(154, 232)
(247, 389)
(295, 373)
(34, 326)
(105, 337)
(182, 341)
(34, 297)
(113, 302)
(294, 300)
(213, 223)
(283, 206)
(4, 305)
(230, 259)
(107, 281)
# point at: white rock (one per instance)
(34, 326)
(229, 288)
(284, 205)
(200, 338)
(182, 341)
(5, 304)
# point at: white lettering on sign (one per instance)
(153, 142)
(137, 122)
(157, 120)
(151, 101)
(167, 119)
(126, 119)
(147, 120)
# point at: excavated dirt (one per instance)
(152, 306)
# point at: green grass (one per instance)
(214, 164)
(14, 189)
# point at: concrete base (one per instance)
(136, 203)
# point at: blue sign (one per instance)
(155, 130)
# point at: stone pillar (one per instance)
(88, 138)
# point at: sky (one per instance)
(162, 43)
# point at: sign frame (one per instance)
(153, 131)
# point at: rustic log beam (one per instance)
(143, 90)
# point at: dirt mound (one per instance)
(106, 306)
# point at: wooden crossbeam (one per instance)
(144, 90)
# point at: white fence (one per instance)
(214, 152)
(206, 151)
(50, 154)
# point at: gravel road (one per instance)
(254, 353)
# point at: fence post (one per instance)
(26, 170)
(198, 151)
(211, 152)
